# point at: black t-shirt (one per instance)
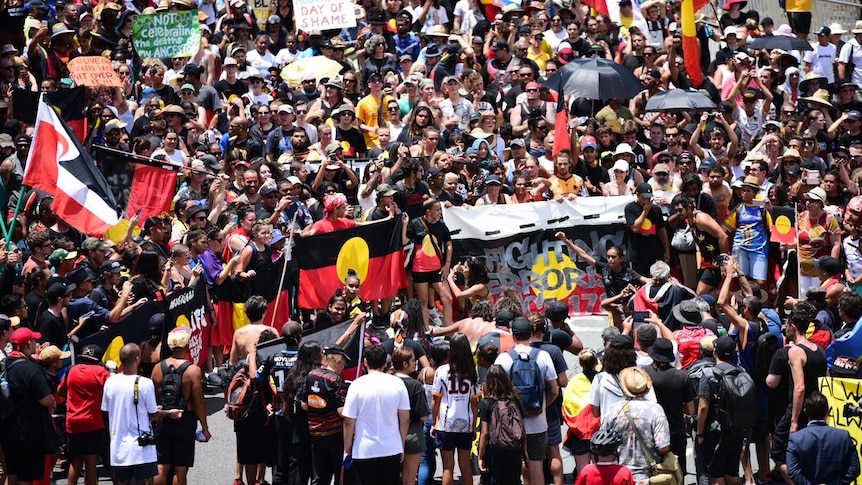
(355, 139)
(53, 329)
(227, 89)
(419, 407)
(29, 420)
(615, 283)
(324, 392)
(596, 175)
(410, 200)
(672, 389)
(644, 245)
(35, 306)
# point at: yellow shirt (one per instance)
(366, 112)
(798, 6)
(563, 187)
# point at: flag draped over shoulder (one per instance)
(70, 103)
(59, 165)
(690, 47)
(562, 137)
(373, 251)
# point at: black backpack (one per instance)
(735, 400)
(172, 386)
(7, 404)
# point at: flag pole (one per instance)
(284, 267)
(7, 231)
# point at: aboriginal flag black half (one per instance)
(373, 251)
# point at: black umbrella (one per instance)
(783, 42)
(595, 78)
(678, 99)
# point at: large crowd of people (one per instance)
(435, 104)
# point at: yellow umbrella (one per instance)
(320, 66)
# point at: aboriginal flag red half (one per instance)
(373, 251)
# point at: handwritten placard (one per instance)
(324, 15)
(169, 34)
(94, 71)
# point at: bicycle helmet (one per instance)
(605, 442)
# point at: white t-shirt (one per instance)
(373, 401)
(822, 58)
(554, 38)
(261, 62)
(124, 423)
(456, 414)
(435, 16)
(605, 392)
(532, 424)
(852, 52)
(470, 15)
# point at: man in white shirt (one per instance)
(822, 58)
(260, 58)
(376, 416)
(130, 401)
(536, 427)
(852, 53)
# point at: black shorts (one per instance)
(450, 441)
(537, 446)
(176, 444)
(725, 460)
(89, 443)
(255, 439)
(138, 472)
(800, 22)
(429, 277)
(24, 459)
(709, 276)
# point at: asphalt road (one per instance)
(215, 460)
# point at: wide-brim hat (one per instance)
(480, 133)
(813, 77)
(751, 181)
(820, 97)
(687, 312)
(635, 382)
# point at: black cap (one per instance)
(336, 350)
(725, 346)
(80, 275)
(194, 210)
(499, 44)
(268, 189)
(493, 180)
(622, 342)
(521, 328)
(91, 352)
(111, 266)
(645, 190)
(503, 318)
(193, 68)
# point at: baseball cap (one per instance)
(111, 266)
(385, 190)
(179, 337)
(644, 191)
(53, 353)
(23, 336)
(91, 352)
(336, 350)
(521, 327)
(661, 168)
(725, 346)
(589, 142)
(854, 115)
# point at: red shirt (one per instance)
(325, 225)
(85, 383)
(688, 342)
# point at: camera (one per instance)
(852, 410)
(147, 439)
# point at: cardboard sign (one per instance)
(94, 71)
(169, 34)
(324, 15)
(260, 8)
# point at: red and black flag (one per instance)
(70, 103)
(562, 137)
(59, 165)
(373, 251)
(326, 337)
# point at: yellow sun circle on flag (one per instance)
(782, 224)
(647, 225)
(183, 321)
(345, 146)
(353, 255)
(428, 247)
(553, 286)
(113, 350)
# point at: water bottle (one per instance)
(4, 388)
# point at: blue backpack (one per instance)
(528, 380)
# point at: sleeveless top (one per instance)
(707, 244)
(814, 368)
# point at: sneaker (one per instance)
(434, 317)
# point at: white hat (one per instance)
(230, 61)
(620, 165)
(837, 28)
(731, 30)
(623, 148)
(857, 28)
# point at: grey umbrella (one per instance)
(784, 42)
(678, 100)
(595, 78)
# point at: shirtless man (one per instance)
(481, 321)
(176, 449)
(720, 192)
(245, 338)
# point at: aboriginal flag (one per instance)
(69, 102)
(373, 251)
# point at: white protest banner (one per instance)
(324, 15)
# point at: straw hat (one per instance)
(751, 181)
(820, 97)
(811, 77)
(635, 382)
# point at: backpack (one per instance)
(7, 404)
(506, 426)
(528, 380)
(735, 400)
(696, 372)
(172, 386)
(240, 395)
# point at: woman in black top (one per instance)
(404, 363)
(619, 280)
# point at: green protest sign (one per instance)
(168, 34)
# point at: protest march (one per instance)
(376, 228)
